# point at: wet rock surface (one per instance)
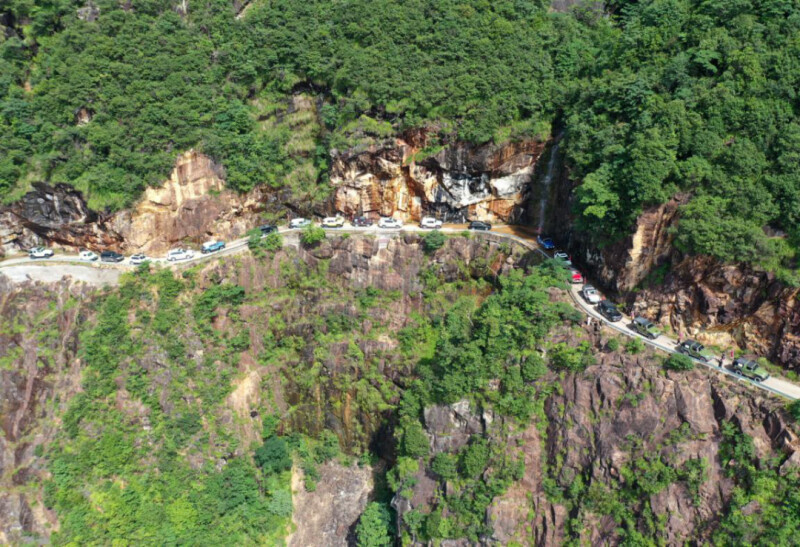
(460, 181)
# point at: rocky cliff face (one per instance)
(721, 304)
(39, 371)
(191, 206)
(599, 433)
(460, 181)
(55, 214)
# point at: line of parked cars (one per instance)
(746, 366)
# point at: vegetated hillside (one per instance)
(654, 98)
(171, 408)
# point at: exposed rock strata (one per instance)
(488, 182)
(192, 205)
(720, 304)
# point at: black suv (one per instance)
(111, 256)
(479, 225)
(609, 311)
(267, 229)
(362, 221)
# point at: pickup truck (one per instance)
(40, 252)
(212, 246)
(299, 223)
(430, 223)
(696, 350)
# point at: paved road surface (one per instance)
(67, 264)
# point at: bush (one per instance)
(415, 441)
(273, 242)
(634, 346)
(375, 527)
(612, 344)
(311, 235)
(574, 359)
(794, 410)
(474, 459)
(678, 361)
(445, 465)
(433, 240)
(273, 456)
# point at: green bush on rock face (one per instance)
(311, 235)
(678, 361)
(433, 241)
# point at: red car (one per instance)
(575, 276)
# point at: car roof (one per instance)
(643, 321)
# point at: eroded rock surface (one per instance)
(488, 182)
(328, 515)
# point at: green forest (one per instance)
(653, 99)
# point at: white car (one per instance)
(40, 252)
(139, 259)
(87, 255)
(299, 223)
(563, 257)
(175, 255)
(430, 223)
(590, 294)
(389, 222)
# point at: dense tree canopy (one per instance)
(654, 99)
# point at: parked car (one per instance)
(362, 221)
(87, 255)
(111, 256)
(299, 223)
(174, 255)
(696, 350)
(575, 276)
(609, 311)
(563, 257)
(546, 243)
(333, 222)
(389, 222)
(646, 328)
(430, 223)
(479, 225)
(590, 294)
(40, 252)
(139, 259)
(749, 368)
(267, 229)
(212, 246)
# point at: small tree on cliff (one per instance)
(433, 240)
(678, 361)
(311, 235)
(375, 527)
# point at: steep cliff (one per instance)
(618, 451)
(192, 205)
(734, 305)
(407, 178)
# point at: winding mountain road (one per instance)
(22, 268)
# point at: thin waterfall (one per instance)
(548, 179)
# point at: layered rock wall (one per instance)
(460, 181)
